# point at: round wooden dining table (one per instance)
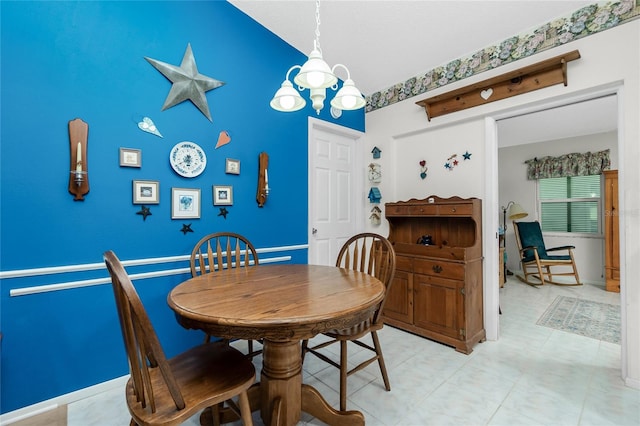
(282, 305)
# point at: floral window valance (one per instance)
(576, 164)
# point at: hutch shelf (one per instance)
(437, 289)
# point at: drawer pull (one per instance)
(453, 209)
(437, 269)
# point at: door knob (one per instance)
(314, 231)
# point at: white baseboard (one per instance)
(632, 383)
(54, 403)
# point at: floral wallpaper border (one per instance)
(586, 21)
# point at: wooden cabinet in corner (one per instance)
(437, 289)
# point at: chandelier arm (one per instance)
(333, 70)
(291, 69)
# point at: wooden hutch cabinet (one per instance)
(437, 289)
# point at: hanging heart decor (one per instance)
(486, 94)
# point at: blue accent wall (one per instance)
(67, 60)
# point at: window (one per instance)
(570, 204)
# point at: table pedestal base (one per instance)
(281, 396)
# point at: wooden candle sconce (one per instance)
(79, 169)
(263, 179)
(533, 77)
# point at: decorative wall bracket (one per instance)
(533, 77)
(79, 169)
(263, 179)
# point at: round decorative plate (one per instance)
(188, 159)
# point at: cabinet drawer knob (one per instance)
(437, 269)
(453, 209)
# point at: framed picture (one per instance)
(146, 192)
(185, 203)
(233, 166)
(222, 195)
(130, 157)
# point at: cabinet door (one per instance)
(399, 302)
(438, 305)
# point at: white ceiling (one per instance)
(384, 42)
(578, 119)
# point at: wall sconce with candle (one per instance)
(78, 174)
(263, 179)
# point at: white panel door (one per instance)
(335, 185)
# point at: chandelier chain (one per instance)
(318, 25)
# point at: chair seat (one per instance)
(219, 367)
(558, 258)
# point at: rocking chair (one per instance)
(535, 260)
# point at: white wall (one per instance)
(514, 186)
(610, 62)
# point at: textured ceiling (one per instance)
(387, 42)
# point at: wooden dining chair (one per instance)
(223, 250)
(537, 262)
(373, 254)
(165, 391)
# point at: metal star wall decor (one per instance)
(144, 212)
(187, 82)
(186, 227)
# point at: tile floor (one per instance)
(532, 375)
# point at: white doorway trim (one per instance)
(491, 196)
(491, 295)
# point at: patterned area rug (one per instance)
(584, 317)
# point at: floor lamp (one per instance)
(515, 211)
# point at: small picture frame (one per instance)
(222, 195)
(232, 166)
(146, 192)
(130, 157)
(185, 203)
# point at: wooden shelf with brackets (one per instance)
(527, 79)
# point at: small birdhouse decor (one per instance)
(374, 218)
(374, 195)
(376, 152)
(376, 215)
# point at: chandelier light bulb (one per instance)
(287, 99)
(348, 102)
(287, 102)
(348, 97)
(315, 79)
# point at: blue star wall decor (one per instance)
(223, 212)
(187, 82)
(467, 155)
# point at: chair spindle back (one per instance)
(222, 250)
(143, 348)
(372, 254)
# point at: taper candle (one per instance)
(79, 158)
